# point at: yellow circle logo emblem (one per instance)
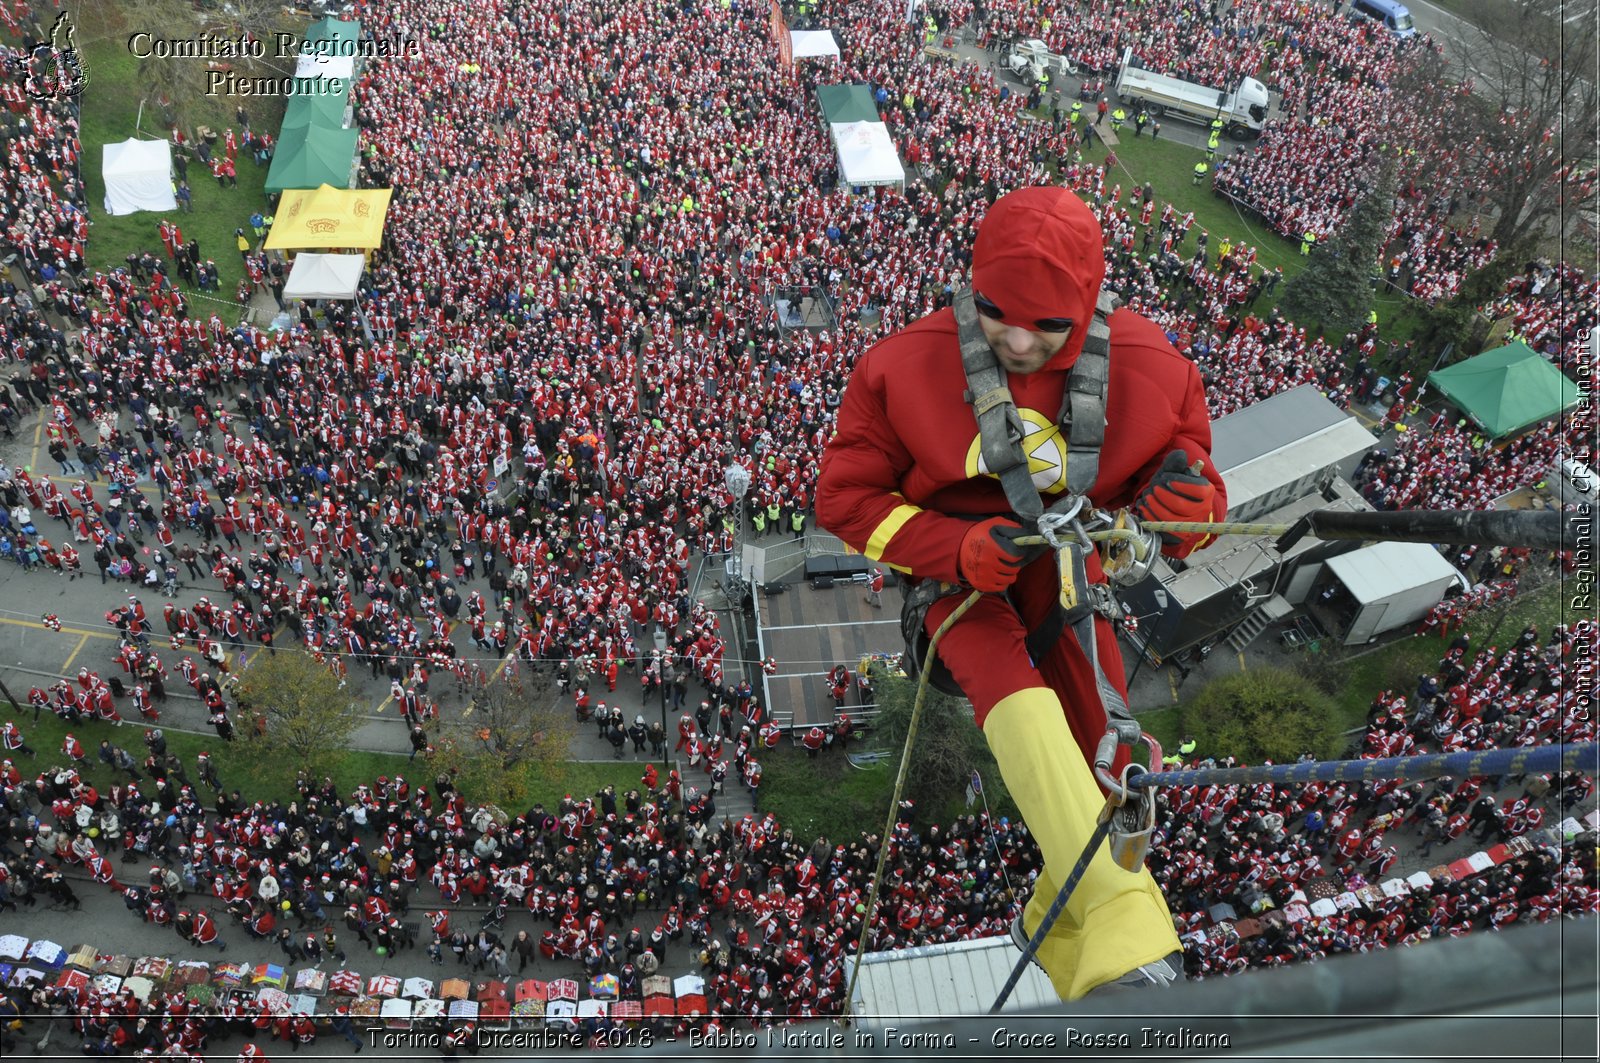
(1046, 451)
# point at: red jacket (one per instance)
(905, 457)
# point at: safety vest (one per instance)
(774, 511)
(798, 522)
(759, 520)
(1200, 169)
(1188, 747)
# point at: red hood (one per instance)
(1038, 255)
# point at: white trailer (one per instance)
(1243, 110)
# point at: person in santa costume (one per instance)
(904, 481)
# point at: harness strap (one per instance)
(1082, 420)
(1000, 426)
(1083, 404)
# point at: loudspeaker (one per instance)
(851, 567)
(821, 565)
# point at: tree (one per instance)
(308, 716)
(511, 734)
(949, 747)
(1457, 321)
(1265, 713)
(1335, 288)
(179, 83)
(1522, 129)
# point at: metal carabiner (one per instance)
(1130, 810)
(1050, 524)
(1132, 823)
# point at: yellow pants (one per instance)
(1116, 920)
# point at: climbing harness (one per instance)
(1061, 525)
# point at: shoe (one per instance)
(1155, 975)
(1019, 938)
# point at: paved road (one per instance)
(31, 653)
(1173, 129)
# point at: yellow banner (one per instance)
(329, 217)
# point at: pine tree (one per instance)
(1334, 291)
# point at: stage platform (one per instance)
(808, 631)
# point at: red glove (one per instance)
(1178, 492)
(988, 558)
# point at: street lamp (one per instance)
(661, 685)
(1162, 601)
(736, 478)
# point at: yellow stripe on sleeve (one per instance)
(887, 529)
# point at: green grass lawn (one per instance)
(111, 112)
(268, 779)
(1169, 167)
(826, 797)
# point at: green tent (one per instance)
(323, 112)
(1506, 389)
(847, 103)
(311, 157)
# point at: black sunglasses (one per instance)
(1044, 324)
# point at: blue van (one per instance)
(1391, 14)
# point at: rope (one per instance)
(1522, 760)
(894, 802)
(994, 841)
(1519, 761)
(1101, 829)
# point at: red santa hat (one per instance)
(1038, 255)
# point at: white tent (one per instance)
(324, 276)
(813, 44)
(1393, 584)
(867, 155)
(325, 66)
(138, 176)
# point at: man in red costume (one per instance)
(905, 481)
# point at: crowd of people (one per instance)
(652, 880)
(572, 341)
(1263, 849)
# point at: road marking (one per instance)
(842, 623)
(1242, 666)
(33, 456)
(83, 640)
(65, 630)
(1172, 681)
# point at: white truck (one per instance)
(1029, 57)
(1243, 110)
